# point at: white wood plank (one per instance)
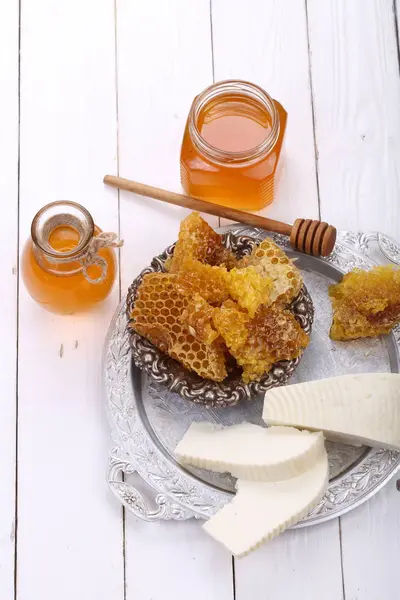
(70, 542)
(355, 73)
(266, 42)
(8, 277)
(304, 565)
(186, 561)
(273, 52)
(371, 547)
(356, 84)
(164, 60)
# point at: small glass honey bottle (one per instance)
(68, 263)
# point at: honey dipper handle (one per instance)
(200, 205)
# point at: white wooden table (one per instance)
(89, 87)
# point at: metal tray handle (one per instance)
(141, 499)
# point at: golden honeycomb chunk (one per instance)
(257, 343)
(158, 307)
(365, 303)
(199, 241)
(208, 281)
(249, 288)
(269, 260)
(197, 318)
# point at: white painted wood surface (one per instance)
(280, 31)
(151, 122)
(105, 87)
(69, 537)
(8, 277)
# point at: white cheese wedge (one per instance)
(354, 409)
(261, 511)
(249, 451)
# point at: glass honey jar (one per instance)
(232, 144)
(68, 263)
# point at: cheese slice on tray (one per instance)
(261, 511)
(353, 409)
(249, 451)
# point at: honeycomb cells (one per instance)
(158, 306)
(199, 241)
(256, 343)
(208, 281)
(365, 303)
(211, 307)
(197, 317)
(270, 261)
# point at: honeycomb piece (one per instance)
(269, 260)
(210, 282)
(225, 257)
(159, 303)
(249, 288)
(365, 303)
(197, 318)
(257, 343)
(199, 241)
(232, 324)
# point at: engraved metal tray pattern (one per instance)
(163, 369)
(148, 421)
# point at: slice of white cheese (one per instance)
(249, 451)
(354, 409)
(261, 511)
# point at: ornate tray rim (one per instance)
(176, 494)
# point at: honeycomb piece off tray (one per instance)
(156, 315)
(365, 303)
(273, 334)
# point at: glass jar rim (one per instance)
(241, 88)
(47, 220)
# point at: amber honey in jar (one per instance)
(68, 263)
(232, 144)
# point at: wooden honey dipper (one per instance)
(311, 237)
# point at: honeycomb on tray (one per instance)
(256, 343)
(159, 303)
(270, 261)
(249, 288)
(365, 303)
(199, 241)
(208, 281)
(211, 307)
(216, 284)
(197, 318)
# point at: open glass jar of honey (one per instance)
(68, 263)
(232, 144)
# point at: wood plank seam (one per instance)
(341, 558)
(117, 125)
(213, 63)
(123, 512)
(212, 42)
(233, 578)
(312, 107)
(396, 30)
(17, 315)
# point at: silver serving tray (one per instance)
(148, 421)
